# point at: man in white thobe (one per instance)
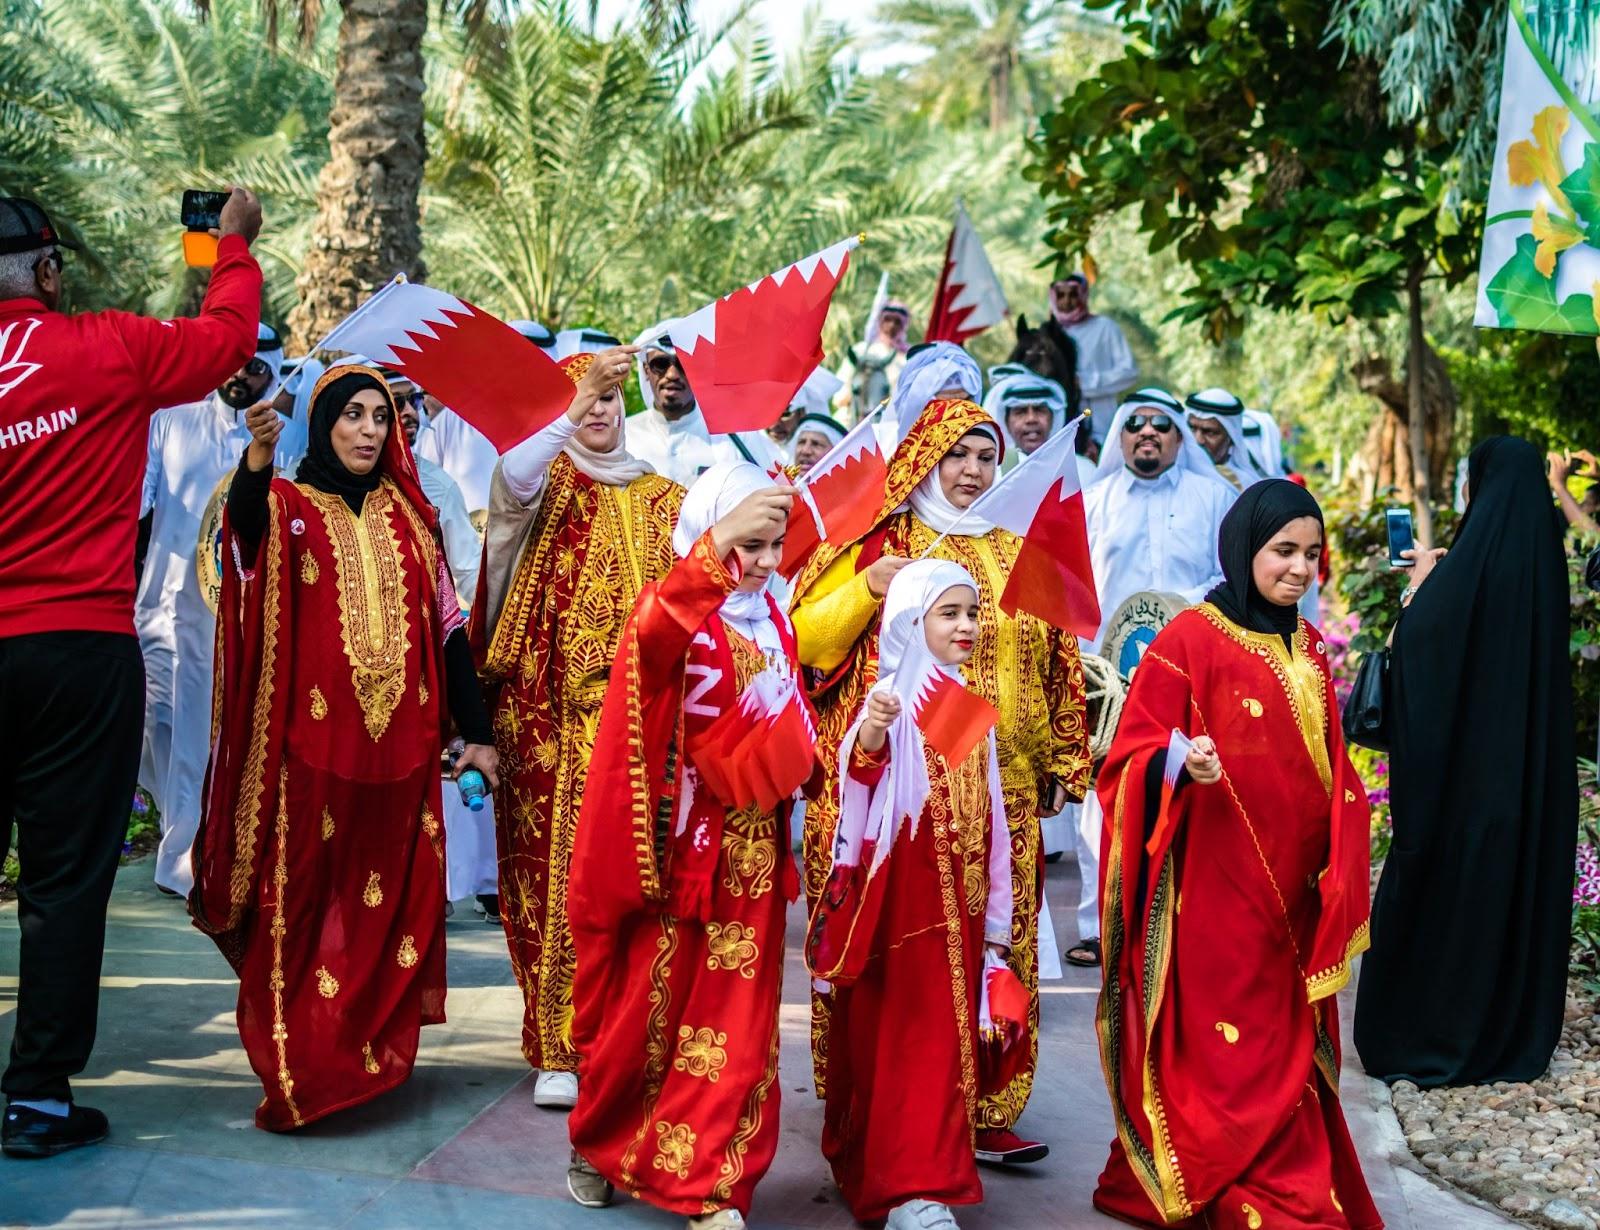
(463, 549)
(1105, 363)
(194, 450)
(1216, 417)
(670, 433)
(1154, 512)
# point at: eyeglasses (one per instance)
(52, 257)
(1137, 422)
(257, 367)
(661, 364)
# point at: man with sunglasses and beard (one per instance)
(1154, 511)
(193, 451)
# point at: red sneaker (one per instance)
(1008, 1149)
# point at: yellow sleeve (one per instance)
(830, 617)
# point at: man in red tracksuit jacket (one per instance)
(76, 396)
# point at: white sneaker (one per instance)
(722, 1219)
(556, 1090)
(921, 1215)
(587, 1185)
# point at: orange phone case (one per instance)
(199, 249)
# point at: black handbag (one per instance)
(1366, 712)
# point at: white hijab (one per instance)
(929, 372)
(713, 496)
(877, 815)
(934, 509)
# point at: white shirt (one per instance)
(682, 449)
(193, 448)
(463, 551)
(1153, 534)
(461, 451)
(1105, 367)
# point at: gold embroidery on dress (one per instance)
(309, 572)
(701, 1052)
(674, 1148)
(1302, 681)
(319, 706)
(731, 946)
(1229, 1032)
(372, 895)
(368, 1062)
(407, 956)
(1333, 1195)
(327, 824)
(750, 849)
(732, 1169)
(655, 1043)
(1251, 1217)
(1254, 707)
(422, 693)
(373, 619)
(327, 984)
(280, 888)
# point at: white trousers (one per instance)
(1086, 820)
(155, 754)
(471, 862)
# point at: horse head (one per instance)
(1050, 351)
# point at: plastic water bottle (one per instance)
(473, 789)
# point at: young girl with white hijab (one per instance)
(916, 911)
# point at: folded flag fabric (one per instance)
(969, 298)
(475, 363)
(1171, 770)
(952, 717)
(840, 498)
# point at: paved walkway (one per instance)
(461, 1144)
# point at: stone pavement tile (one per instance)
(115, 1188)
(414, 1205)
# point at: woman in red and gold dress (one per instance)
(681, 870)
(1024, 667)
(916, 907)
(319, 865)
(1234, 897)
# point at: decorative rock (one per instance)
(1566, 1215)
(1521, 1203)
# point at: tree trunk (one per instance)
(367, 228)
(1417, 420)
(1000, 93)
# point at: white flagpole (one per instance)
(327, 342)
(878, 300)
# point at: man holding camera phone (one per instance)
(76, 396)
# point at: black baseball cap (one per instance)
(24, 227)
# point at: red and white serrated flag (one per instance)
(840, 497)
(952, 717)
(748, 353)
(1042, 501)
(475, 363)
(1178, 745)
(969, 298)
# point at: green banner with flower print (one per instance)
(1541, 248)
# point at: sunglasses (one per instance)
(1137, 422)
(661, 364)
(257, 367)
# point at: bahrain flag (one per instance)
(952, 718)
(748, 353)
(969, 298)
(840, 497)
(1041, 501)
(475, 363)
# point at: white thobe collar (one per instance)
(1167, 480)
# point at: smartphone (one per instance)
(202, 210)
(1400, 536)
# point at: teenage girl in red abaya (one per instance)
(1234, 898)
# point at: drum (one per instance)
(208, 550)
(1103, 693)
(1134, 626)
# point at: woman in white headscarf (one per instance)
(681, 870)
(903, 954)
(1027, 669)
(577, 527)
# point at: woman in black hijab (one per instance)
(1252, 522)
(1466, 979)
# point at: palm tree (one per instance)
(988, 55)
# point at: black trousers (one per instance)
(71, 718)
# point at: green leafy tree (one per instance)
(1266, 160)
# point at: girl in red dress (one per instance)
(1234, 896)
(916, 908)
(681, 870)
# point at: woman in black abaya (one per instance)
(1466, 978)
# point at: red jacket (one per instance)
(76, 396)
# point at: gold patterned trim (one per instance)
(655, 1047)
(247, 819)
(732, 1169)
(280, 889)
(1334, 979)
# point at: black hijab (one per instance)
(321, 467)
(1466, 979)
(1254, 520)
